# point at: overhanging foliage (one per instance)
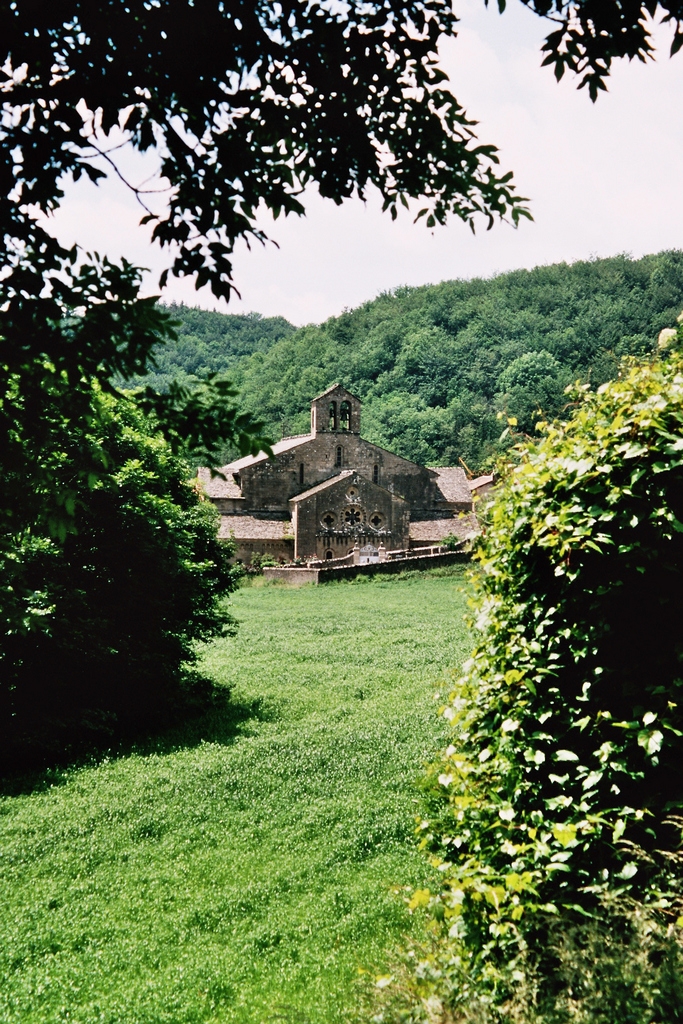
(245, 104)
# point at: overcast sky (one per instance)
(602, 179)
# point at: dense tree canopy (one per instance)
(209, 342)
(245, 104)
(103, 623)
(249, 102)
(435, 365)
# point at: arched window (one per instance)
(329, 554)
(333, 415)
(375, 474)
(301, 472)
(340, 456)
(345, 416)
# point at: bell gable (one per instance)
(336, 411)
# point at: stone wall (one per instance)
(359, 497)
(269, 485)
(279, 550)
(296, 576)
(326, 411)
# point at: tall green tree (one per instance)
(104, 620)
(246, 104)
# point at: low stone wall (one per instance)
(297, 575)
(278, 550)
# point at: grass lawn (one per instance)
(241, 870)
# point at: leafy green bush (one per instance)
(110, 613)
(561, 790)
(259, 562)
(624, 966)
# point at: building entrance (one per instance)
(368, 553)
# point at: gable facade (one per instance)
(348, 509)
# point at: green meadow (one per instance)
(250, 867)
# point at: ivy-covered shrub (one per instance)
(562, 789)
(622, 965)
(110, 613)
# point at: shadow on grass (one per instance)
(223, 722)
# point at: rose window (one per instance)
(376, 520)
(352, 516)
(328, 520)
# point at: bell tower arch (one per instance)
(335, 411)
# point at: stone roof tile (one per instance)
(215, 487)
(434, 530)
(324, 485)
(452, 482)
(334, 387)
(254, 528)
(284, 445)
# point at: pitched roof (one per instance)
(481, 481)
(216, 487)
(284, 445)
(452, 482)
(253, 528)
(435, 530)
(333, 387)
(324, 485)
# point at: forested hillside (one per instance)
(210, 342)
(434, 365)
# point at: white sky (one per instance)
(602, 178)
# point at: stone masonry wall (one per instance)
(297, 576)
(355, 493)
(269, 485)
(280, 550)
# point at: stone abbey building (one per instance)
(325, 492)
